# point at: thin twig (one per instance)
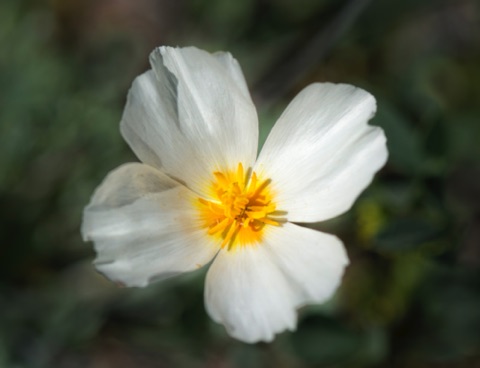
(296, 65)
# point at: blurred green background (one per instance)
(411, 296)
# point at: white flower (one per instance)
(201, 193)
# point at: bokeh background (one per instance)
(411, 296)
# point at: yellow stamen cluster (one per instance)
(240, 208)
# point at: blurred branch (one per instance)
(295, 64)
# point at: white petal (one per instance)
(248, 293)
(191, 115)
(144, 227)
(233, 68)
(321, 153)
(313, 261)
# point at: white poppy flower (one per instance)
(201, 194)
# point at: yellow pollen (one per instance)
(240, 208)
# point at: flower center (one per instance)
(240, 208)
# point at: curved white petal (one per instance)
(144, 227)
(191, 115)
(321, 153)
(233, 68)
(247, 292)
(314, 262)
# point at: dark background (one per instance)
(411, 296)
